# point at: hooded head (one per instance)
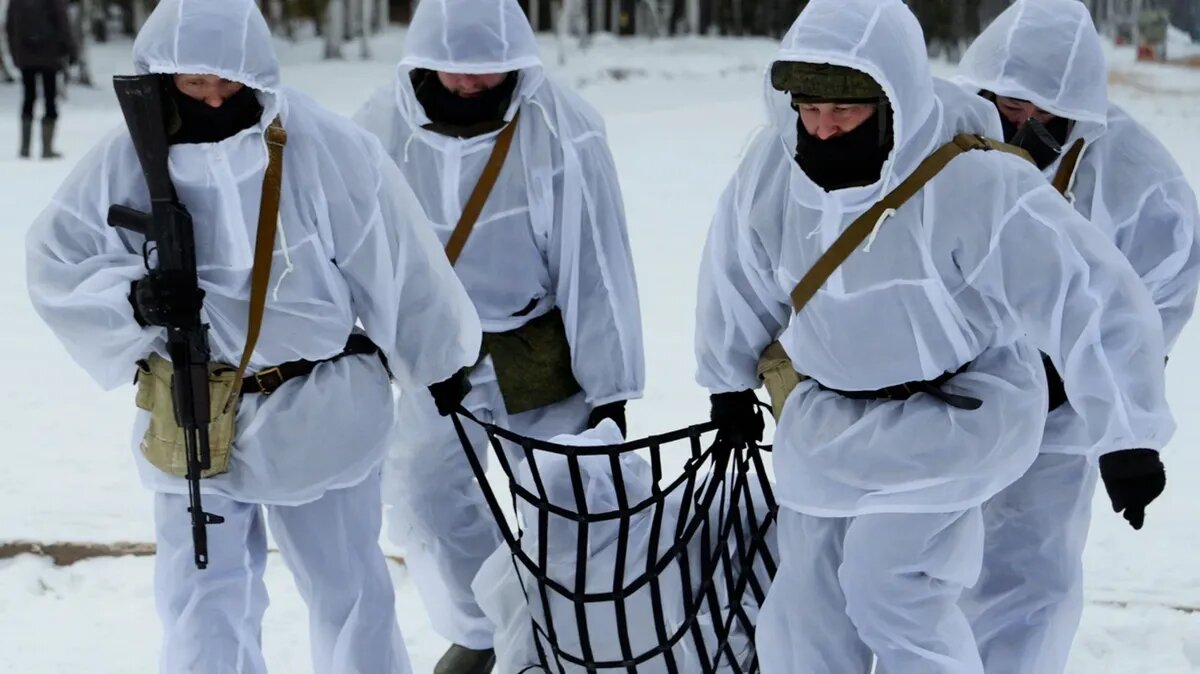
(468, 37)
(845, 122)
(228, 39)
(1046, 52)
(878, 39)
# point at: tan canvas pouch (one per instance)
(778, 376)
(163, 444)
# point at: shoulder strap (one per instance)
(264, 243)
(860, 229)
(483, 189)
(1066, 169)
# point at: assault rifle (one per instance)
(168, 232)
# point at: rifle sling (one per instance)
(1066, 170)
(483, 189)
(264, 244)
(861, 228)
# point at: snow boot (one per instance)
(48, 125)
(462, 660)
(26, 136)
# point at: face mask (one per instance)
(1044, 142)
(853, 159)
(443, 106)
(199, 122)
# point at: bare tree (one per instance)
(383, 14)
(99, 21)
(5, 75)
(535, 13)
(693, 16)
(335, 28)
(571, 20)
(283, 13)
(598, 14)
(649, 19)
(366, 25)
(141, 11)
(81, 14)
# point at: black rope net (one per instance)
(667, 577)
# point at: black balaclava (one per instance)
(198, 122)
(1043, 142)
(447, 109)
(853, 159)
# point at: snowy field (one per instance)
(679, 115)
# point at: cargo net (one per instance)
(666, 576)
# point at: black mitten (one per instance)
(448, 395)
(738, 418)
(1133, 478)
(613, 410)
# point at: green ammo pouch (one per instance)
(533, 363)
(163, 445)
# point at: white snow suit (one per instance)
(881, 526)
(552, 235)
(353, 246)
(1028, 603)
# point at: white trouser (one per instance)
(1029, 599)
(439, 514)
(886, 584)
(212, 618)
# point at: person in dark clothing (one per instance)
(40, 41)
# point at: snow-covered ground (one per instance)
(679, 115)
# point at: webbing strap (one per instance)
(483, 189)
(1066, 170)
(264, 242)
(861, 228)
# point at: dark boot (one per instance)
(48, 124)
(26, 136)
(462, 660)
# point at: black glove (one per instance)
(1133, 478)
(165, 299)
(448, 395)
(738, 418)
(614, 411)
(1058, 390)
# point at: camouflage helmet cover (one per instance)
(825, 83)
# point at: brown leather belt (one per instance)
(932, 387)
(267, 381)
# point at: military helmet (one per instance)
(825, 83)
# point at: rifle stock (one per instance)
(169, 236)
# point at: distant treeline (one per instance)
(945, 21)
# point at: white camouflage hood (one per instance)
(469, 37)
(1046, 52)
(227, 38)
(882, 39)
